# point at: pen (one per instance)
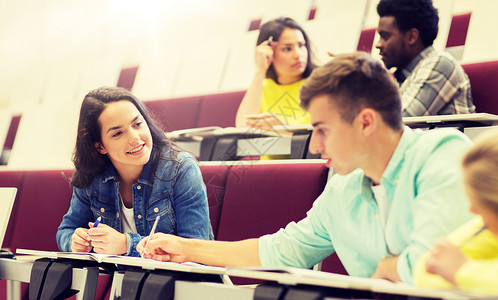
(97, 222)
(270, 39)
(151, 233)
(475, 234)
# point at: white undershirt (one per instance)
(127, 218)
(382, 202)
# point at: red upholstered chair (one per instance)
(262, 198)
(11, 179)
(254, 24)
(483, 77)
(219, 109)
(44, 199)
(457, 34)
(333, 264)
(312, 13)
(215, 178)
(365, 43)
(127, 77)
(175, 114)
(9, 140)
(11, 134)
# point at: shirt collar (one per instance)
(391, 172)
(402, 74)
(389, 177)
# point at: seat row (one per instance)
(196, 111)
(246, 200)
(220, 110)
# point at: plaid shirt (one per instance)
(434, 84)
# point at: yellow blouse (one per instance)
(283, 100)
(479, 274)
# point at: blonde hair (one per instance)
(480, 166)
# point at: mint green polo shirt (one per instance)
(423, 183)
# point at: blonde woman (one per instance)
(468, 258)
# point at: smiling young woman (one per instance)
(128, 173)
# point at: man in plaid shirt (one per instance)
(431, 82)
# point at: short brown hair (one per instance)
(356, 81)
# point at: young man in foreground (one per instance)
(395, 191)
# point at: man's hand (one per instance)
(388, 269)
(164, 247)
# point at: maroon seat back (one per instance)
(262, 198)
(483, 77)
(175, 114)
(219, 109)
(11, 133)
(215, 178)
(11, 179)
(333, 264)
(365, 42)
(459, 27)
(44, 199)
(127, 77)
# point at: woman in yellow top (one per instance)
(468, 258)
(283, 61)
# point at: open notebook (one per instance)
(7, 197)
(128, 260)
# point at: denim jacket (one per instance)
(176, 192)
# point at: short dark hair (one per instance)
(356, 81)
(275, 28)
(87, 160)
(419, 14)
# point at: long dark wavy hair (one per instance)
(275, 28)
(87, 160)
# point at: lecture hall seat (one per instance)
(127, 77)
(255, 192)
(9, 139)
(483, 77)
(365, 42)
(262, 198)
(11, 178)
(215, 178)
(219, 109)
(459, 27)
(44, 199)
(176, 113)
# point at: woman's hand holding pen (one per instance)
(106, 240)
(445, 259)
(80, 241)
(164, 247)
(264, 55)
